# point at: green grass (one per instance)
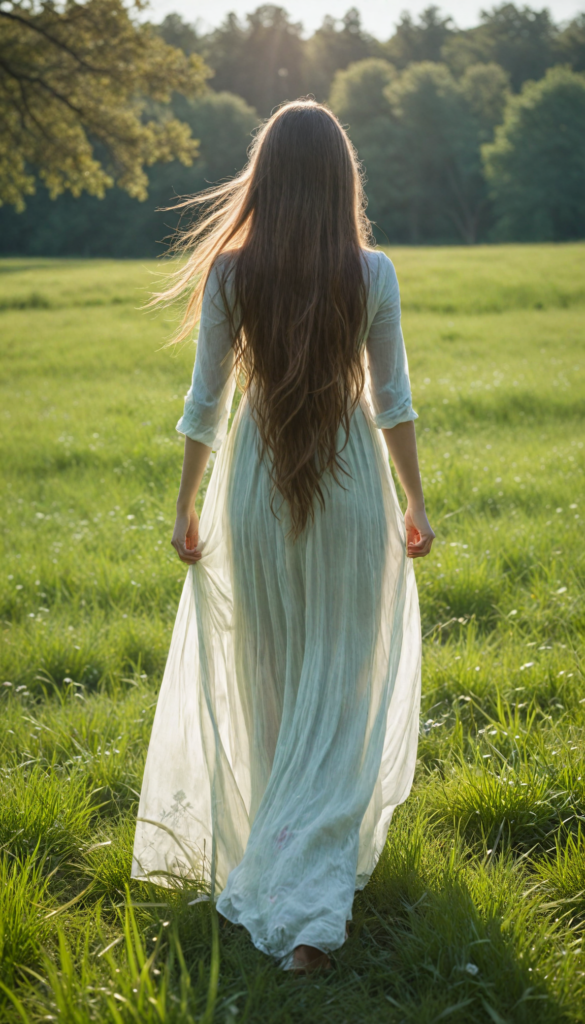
(476, 910)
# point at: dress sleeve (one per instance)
(208, 401)
(388, 365)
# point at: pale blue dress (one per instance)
(287, 722)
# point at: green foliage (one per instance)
(260, 59)
(536, 165)
(475, 911)
(266, 60)
(523, 41)
(359, 99)
(420, 107)
(414, 43)
(336, 45)
(419, 134)
(80, 74)
(485, 87)
(438, 146)
(519, 39)
(178, 33)
(570, 44)
(221, 122)
(357, 94)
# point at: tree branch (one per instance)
(56, 42)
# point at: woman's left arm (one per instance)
(186, 532)
(392, 402)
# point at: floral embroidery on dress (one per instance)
(181, 804)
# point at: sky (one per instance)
(379, 16)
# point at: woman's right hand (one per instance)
(419, 534)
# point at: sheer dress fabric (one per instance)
(286, 727)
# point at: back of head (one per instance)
(294, 225)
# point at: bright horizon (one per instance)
(379, 18)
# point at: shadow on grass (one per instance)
(436, 935)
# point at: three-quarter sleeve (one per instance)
(208, 401)
(388, 364)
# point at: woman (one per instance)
(286, 727)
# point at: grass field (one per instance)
(476, 910)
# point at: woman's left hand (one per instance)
(419, 534)
(186, 537)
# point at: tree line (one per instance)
(266, 60)
(464, 135)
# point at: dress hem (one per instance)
(284, 957)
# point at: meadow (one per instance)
(476, 910)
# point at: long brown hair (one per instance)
(293, 225)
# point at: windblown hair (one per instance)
(293, 227)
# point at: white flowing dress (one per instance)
(286, 726)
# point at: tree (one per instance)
(223, 123)
(180, 34)
(334, 46)
(570, 44)
(357, 94)
(519, 39)
(440, 150)
(78, 74)
(261, 60)
(419, 134)
(486, 90)
(536, 164)
(413, 43)
(357, 97)
(91, 227)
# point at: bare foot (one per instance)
(307, 959)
